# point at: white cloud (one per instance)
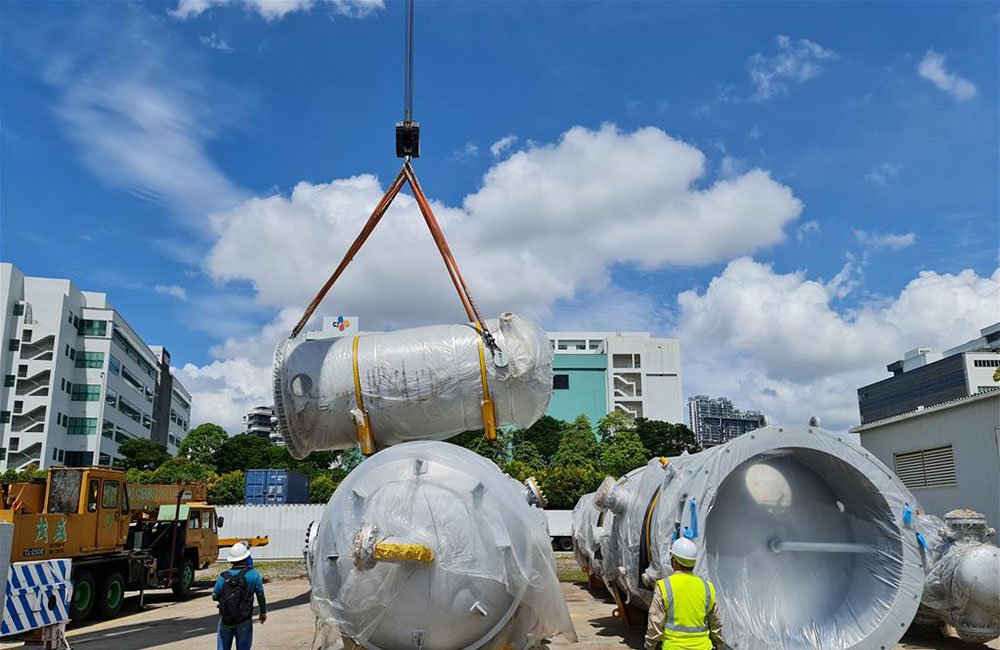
(882, 174)
(754, 133)
(774, 341)
(171, 290)
(498, 148)
(468, 150)
(885, 240)
(932, 67)
(139, 124)
(277, 9)
(796, 61)
(223, 391)
(806, 228)
(216, 42)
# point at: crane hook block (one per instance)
(407, 139)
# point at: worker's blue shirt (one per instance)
(252, 576)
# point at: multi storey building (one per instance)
(715, 421)
(78, 380)
(632, 372)
(923, 377)
(260, 421)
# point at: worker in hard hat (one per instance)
(683, 614)
(234, 591)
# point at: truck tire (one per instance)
(565, 543)
(83, 595)
(184, 580)
(111, 595)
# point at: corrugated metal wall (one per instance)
(285, 525)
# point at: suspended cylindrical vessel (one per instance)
(809, 539)
(428, 545)
(428, 383)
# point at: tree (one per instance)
(666, 439)
(578, 447)
(526, 453)
(563, 486)
(545, 434)
(613, 423)
(177, 470)
(242, 452)
(496, 450)
(321, 489)
(142, 454)
(621, 453)
(202, 443)
(228, 489)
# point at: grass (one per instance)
(269, 570)
(567, 569)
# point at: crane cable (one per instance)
(408, 175)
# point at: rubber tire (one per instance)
(83, 583)
(181, 585)
(565, 543)
(107, 607)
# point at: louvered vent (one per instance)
(926, 468)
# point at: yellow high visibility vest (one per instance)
(687, 600)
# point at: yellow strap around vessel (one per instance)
(489, 412)
(365, 437)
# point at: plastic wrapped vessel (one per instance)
(427, 383)
(427, 545)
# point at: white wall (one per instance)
(285, 525)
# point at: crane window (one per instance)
(206, 518)
(92, 491)
(112, 491)
(64, 491)
(194, 522)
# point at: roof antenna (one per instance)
(408, 131)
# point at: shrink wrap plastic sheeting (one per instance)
(805, 535)
(962, 588)
(491, 584)
(584, 516)
(416, 384)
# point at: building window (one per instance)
(66, 351)
(55, 453)
(90, 359)
(110, 397)
(926, 468)
(8, 381)
(114, 365)
(76, 322)
(69, 386)
(14, 444)
(71, 318)
(93, 327)
(986, 389)
(594, 344)
(4, 417)
(86, 393)
(59, 419)
(560, 382)
(72, 354)
(108, 429)
(26, 336)
(987, 363)
(61, 456)
(14, 345)
(18, 405)
(19, 309)
(22, 370)
(105, 460)
(82, 426)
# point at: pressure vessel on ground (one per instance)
(427, 545)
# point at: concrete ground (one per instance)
(190, 625)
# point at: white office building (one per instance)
(632, 372)
(78, 380)
(261, 422)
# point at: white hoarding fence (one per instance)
(284, 525)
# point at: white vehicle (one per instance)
(561, 529)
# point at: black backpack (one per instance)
(235, 598)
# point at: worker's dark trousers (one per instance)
(242, 633)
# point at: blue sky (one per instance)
(839, 159)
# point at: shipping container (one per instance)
(276, 486)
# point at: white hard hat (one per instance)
(238, 552)
(684, 551)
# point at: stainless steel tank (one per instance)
(415, 384)
(805, 535)
(429, 546)
(963, 584)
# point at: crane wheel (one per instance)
(110, 595)
(184, 580)
(84, 591)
